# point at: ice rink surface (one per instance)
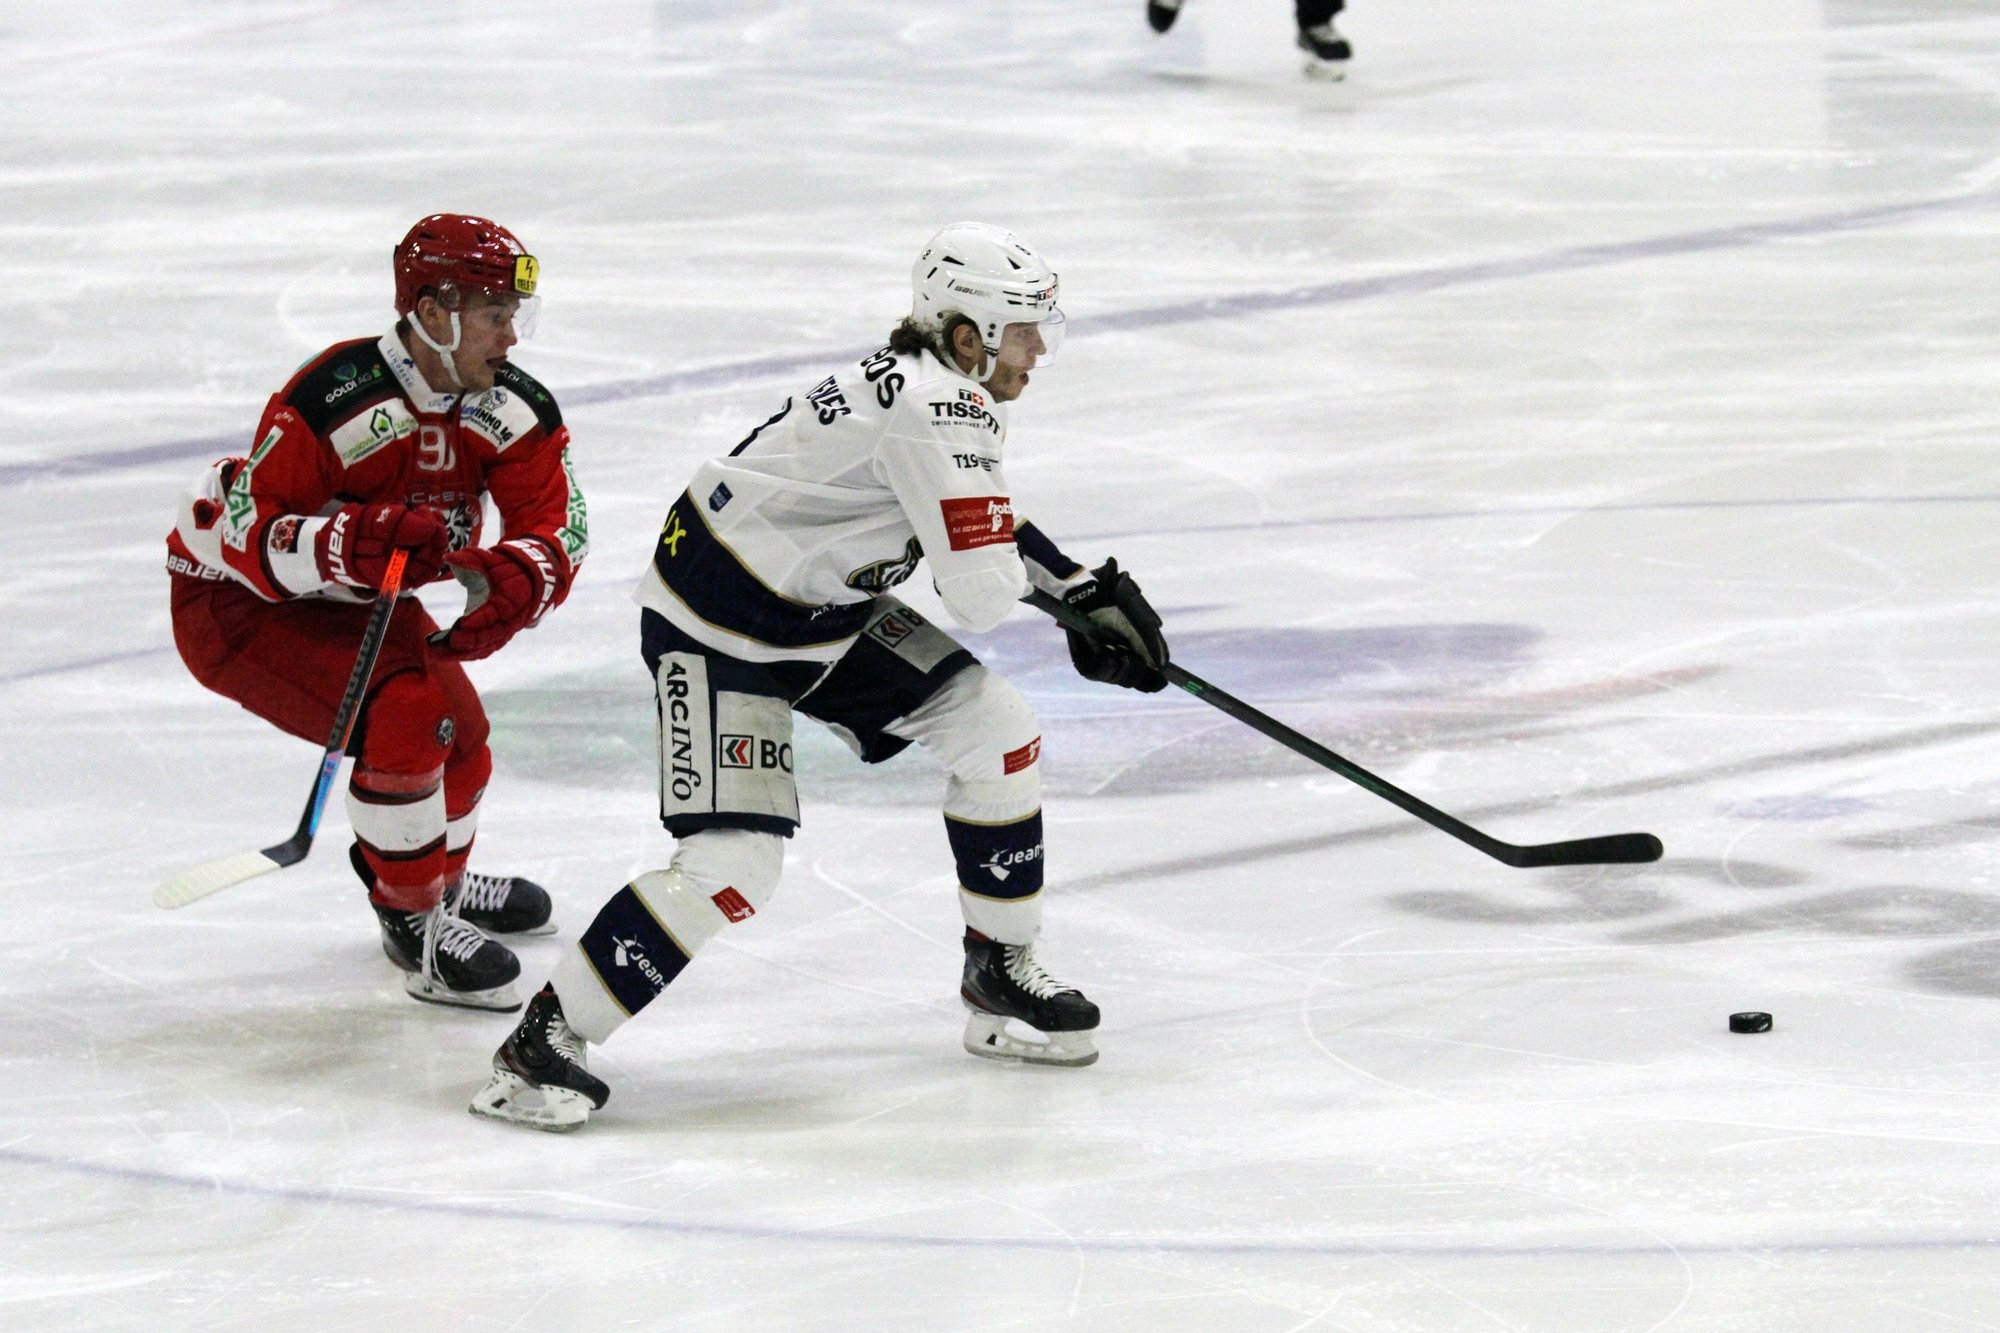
(1584, 416)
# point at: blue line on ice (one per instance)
(1412, 283)
(400, 1202)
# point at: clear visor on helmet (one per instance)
(476, 304)
(1026, 345)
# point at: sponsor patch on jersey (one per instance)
(497, 416)
(1016, 760)
(740, 751)
(978, 520)
(733, 905)
(368, 431)
(719, 497)
(895, 627)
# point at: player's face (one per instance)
(1021, 348)
(486, 334)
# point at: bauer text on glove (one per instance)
(354, 546)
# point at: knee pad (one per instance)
(987, 738)
(735, 870)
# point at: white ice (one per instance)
(1584, 417)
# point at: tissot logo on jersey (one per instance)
(962, 412)
(978, 520)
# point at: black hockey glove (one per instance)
(1129, 649)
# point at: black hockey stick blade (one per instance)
(1610, 849)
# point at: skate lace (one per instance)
(445, 933)
(562, 1041)
(482, 893)
(1026, 973)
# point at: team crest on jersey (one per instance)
(458, 526)
(886, 574)
(447, 731)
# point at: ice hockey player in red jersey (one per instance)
(769, 595)
(378, 445)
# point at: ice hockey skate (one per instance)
(1327, 52)
(502, 904)
(449, 961)
(539, 1074)
(1162, 13)
(496, 904)
(1003, 982)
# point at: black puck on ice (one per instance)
(1751, 1022)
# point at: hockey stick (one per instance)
(215, 876)
(1610, 849)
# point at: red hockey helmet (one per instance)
(451, 254)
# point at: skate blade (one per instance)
(987, 1036)
(513, 1099)
(504, 999)
(1325, 71)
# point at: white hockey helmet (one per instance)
(986, 274)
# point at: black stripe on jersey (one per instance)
(1034, 546)
(706, 575)
(345, 378)
(751, 438)
(516, 380)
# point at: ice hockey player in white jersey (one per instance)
(769, 594)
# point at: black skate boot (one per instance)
(448, 961)
(502, 904)
(1004, 981)
(539, 1078)
(1162, 13)
(497, 904)
(1327, 52)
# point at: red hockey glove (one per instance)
(355, 545)
(509, 586)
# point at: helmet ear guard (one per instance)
(989, 276)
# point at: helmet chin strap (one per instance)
(444, 352)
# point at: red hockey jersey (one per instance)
(358, 424)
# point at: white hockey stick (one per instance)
(198, 882)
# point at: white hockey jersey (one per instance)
(775, 550)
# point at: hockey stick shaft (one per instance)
(210, 877)
(1612, 849)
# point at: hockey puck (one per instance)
(1751, 1022)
